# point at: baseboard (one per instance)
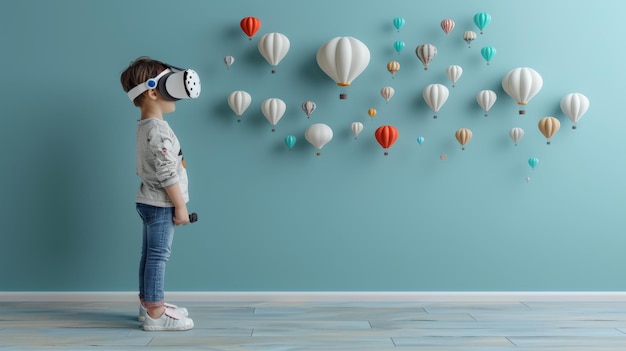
(330, 296)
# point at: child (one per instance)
(162, 196)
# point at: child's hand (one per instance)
(181, 215)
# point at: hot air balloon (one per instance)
(273, 47)
(463, 136)
(250, 25)
(371, 112)
(516, 134)
(447, 25)
(343, 59)
(273, 109)
(454, 72)
(386, 136)
(387, 93)
(399, 46)
(481, 20)
(574, 105)
(239, 101)
(420, 140)
(435, 96)
(318, 135)
(486, 99)
(488, 52)
(522, 84)
(533, 161)
(308, 107)
(426, 53)
(228, 61)
(290, 141)
(469, 36)
(398, 22)
(393, 67)
(548, 127)
(356, 128)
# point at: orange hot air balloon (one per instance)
(463, 136)
(371, 112)
(393, 67)
(250, 25)
(549, 126)
(386, 136)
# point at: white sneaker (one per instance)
(169, 321)
(178, 310)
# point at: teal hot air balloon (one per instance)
(481, 20)
(290, 141)
(398, 22)
(399, 46)
(488, 53)
(533, 161)
(420, 140)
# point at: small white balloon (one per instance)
(357, 128)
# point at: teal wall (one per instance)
(350, 219)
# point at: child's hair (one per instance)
(139, 71)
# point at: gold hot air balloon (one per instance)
(393, 67)
(549, 126)
(371, 112)
(463, 136)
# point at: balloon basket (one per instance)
(343, 96)
(574, 127)
(319, 154)
(273, 71)
(273, 130)
(386, 153)
(522, 112)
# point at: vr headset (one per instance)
(173, 86)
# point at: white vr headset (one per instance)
(184, 84)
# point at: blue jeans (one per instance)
(158, 234)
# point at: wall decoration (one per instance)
(454, 72)
(386, 136)
(387, 93)
(420, 140)
(239, 101)
(574, 105)
(399, 45)
(290, 141)
(469, 37)
(273, 109)
(486, 99)
(522, 84)
(463, 136)
(250, 25)
(549, 126)
(426, 53)
(481, 20)
(533, 161)
(228, 61)
(372, 112)
(516, 134)
(447, 25)
(393, 67)
(398, 22)
(308, 107)
(318, 134)
(356, 128)
(274, 47)
(343, 59)
(435, 96)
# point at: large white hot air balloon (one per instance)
(574, 105)
(522, 84)
(239, 101)
(486, 99)
(273, 109)
(274, 47)
(343, 59)
(318, 134)
(435, 96)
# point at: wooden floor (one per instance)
(530, 326)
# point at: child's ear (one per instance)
(151, 94)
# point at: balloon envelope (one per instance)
(273, 109)
(420, 140)
(522, 84)
(488, 52)
(393, 67)
(516, 134)
(318, 135)
(447, 25)
(426, 53)
(481, 20)
(454, 72)
(239, 101)
(399, 46)
(250, 25)
(386, 136)
(486, 99)
(290, 141)
(387, 93)
(549, 126)
(398, 22)
(343, 59)
(356, 128)
(273, 47)
(435, 96)
(533, 161)
(371, 112)
(574, 105)
(308, 107)
(228, 61)
(463, 136)
(469, 36)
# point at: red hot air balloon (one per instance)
(250, 25)
(386, 136)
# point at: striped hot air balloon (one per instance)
(426, 53)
